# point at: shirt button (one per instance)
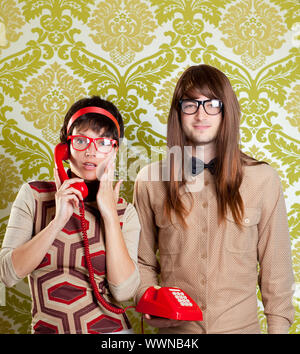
(206, 183)
(204, 255)
(247, 221)
(204, 204)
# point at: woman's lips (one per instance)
(89, 165)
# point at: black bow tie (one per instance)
(198, 166)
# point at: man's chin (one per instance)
(202, 141)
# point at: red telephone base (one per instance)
(172, 303)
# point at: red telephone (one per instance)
(171, 303)
(61, 152)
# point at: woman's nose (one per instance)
(92, 150)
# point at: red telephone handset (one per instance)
(171, 303)
(61, 152)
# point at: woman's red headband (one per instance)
(93, 109)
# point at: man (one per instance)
(215, 219)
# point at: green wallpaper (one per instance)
(53, 52)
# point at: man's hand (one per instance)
(161, 322)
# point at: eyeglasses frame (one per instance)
(91, 140)
(199, 103)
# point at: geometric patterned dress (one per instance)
(62, 296)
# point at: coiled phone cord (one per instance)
(100, 298)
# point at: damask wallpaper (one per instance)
(53, 52)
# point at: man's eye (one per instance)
(214, 103)
(190, 105)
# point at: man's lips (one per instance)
(201, 127)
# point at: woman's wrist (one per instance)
(110, 216)
(55, 226)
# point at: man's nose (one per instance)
(201, 114)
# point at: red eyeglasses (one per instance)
(81, 143)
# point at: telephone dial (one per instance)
(169, 302)
(166, 302)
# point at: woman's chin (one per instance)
(88, 176)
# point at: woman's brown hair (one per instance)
(91, 120)
(212, 83)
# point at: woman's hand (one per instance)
(107, 196)
(66, 199)
(29, 255)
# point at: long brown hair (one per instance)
(212, 83)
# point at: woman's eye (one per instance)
(104, 142)
(81, 141)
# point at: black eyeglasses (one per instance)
(211, 107)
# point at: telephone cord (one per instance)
(100, 298)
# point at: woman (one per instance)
(44, 234)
